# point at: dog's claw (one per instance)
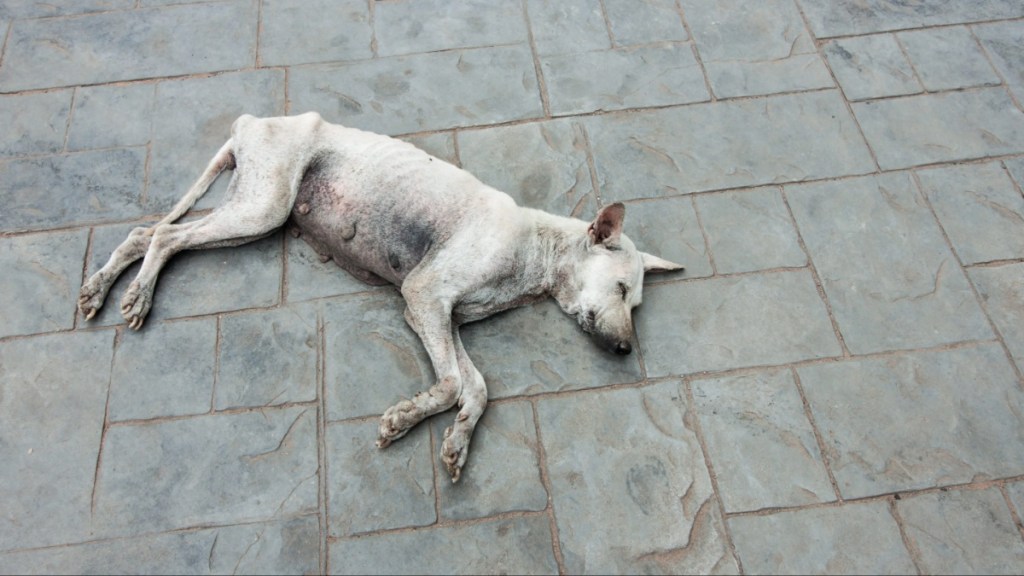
(454, 450)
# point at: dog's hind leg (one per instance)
(472, 403)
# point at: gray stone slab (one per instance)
(1003, 42)
(1002, 290)
(73, 189)
(216, 469)
(909, 421)
(567, 26)
(502, 473)
(434, 91)
(538, 349)
(630, 490)
(317, 31)
(194, 121)
(651, 75)
(850, 539)
(947, 58)
(724, 323)
(165, 370)
(847, 17)
(645, 21)
(871, 67)
(112, 115)
(309, 278)
(364, 327)
(520, 545)
(980, 210)
(36, 123)
(752, 49)
(410, 26)
(370, 489)
(669, 228)
(283, 547)
(53, 391)
(976, 123)
(541, 165)
(963, 532)
(439, 144)
(750, 230)
(725, 145)
(760, 442)
(888, 287)
(40, 280)
(267, 358)
(45, 8)
(127, 45)
(1015, 166)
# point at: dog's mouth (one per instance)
(613, 344)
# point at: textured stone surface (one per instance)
(764, 451)
(520, 545)
(728, 144)
(947, 58)
(888, 288)
(870, 412)
(40, 280)
(724, 323)
(668, 227)
(871, 67)
(1002, 290)
(831, 18)
(750, 230)
(345, 35)
(963, 532)
(568, 26)
(644, 21)
(53, 390)
(36, 123)
(1003, 42)
(854, 539)
(112, 115)
(409, 26)
(631, 498)
(980, 210)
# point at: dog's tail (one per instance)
(223, 160)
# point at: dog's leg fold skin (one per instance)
(472, 403)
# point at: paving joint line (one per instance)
(912, 548)
(542, 87)
(823, 449)
(545, 479)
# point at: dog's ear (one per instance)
(607, 226)
(653, 264)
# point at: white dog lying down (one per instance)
(386, 211)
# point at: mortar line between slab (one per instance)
(994, 263)
(216, 363)
(541, 84)
(912, 549)
(822, 448)
(704, 235)
(106, 424)
(916, 28)
(321, 441)
(71, 115)
(459, 523)
(591, 167)
(434, 472)
(373, 28)
(1014, 513)
(607, 25)
(696, 52)
(992, 65)
(545, 478)
(259, 33)
(86, 261)
(913, 68)
(691, 415)
(1018, 186)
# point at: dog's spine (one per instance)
(223, 160)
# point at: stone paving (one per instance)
(833, 385)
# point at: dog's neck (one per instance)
(555, 245)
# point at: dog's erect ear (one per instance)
(653, 264)
(607, 226)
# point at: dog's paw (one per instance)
(395, 422)
(135, 304)
(91, 297)
(454, 451)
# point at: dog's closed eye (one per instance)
(623, 290)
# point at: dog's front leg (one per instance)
(472, 403)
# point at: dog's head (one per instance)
(607, 281)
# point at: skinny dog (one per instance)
(388, 212)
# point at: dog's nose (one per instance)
(623, 347)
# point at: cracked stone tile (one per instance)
(164, 370)
(281, 547)
(860, 538)
(975, 124)
(567, 26)
(520, 545)
(724, 323)
(40, 281)
(888, 288)
(650, 75)
(728, 144)
(871, 67)
(768, 240)
(1003, 41)
(947, 58)
(35, 123)
(309, 278)
(330, 31)
(128, 45)
(541, 165)
(828, 18)
(630, 489)
(267, 358)
(502, 473)
(980, 210)
(760, 442)
(110, 116)
(71, 189)
(963, 532)
(645, 21)
(371, 489)
(249, 466)
(668, 228)
(908, 421)
(422, 92)
(1002, 291)
(53, 392)
(409, 26)
(755, 49)
(551, 353)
